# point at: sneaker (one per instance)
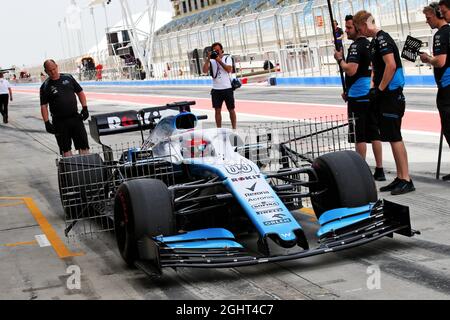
(379, 174)
(403, 187)
(446, 178)
(391, 186)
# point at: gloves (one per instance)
(49, 127)
(84, 114)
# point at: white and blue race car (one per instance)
(192, 197)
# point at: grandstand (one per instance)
(295, 35)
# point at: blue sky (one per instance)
(29, 30)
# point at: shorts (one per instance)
(443, 104)
(390, 108)
(4, 99)
(69, 129)
(219, 96)
(365, 127)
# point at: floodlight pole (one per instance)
(128, 19)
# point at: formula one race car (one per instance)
(209, 198)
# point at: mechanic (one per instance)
(444, 6)
(358, 73)
(441, 63)
(59, 92)
(387, 97)
(5, 95)
(220, 68)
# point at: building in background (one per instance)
(293, 35)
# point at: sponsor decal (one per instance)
(261, 198)
(265, 204)
(246, 178)
(279, 215)
(269, 211)
(275, 222)
(116, 122)
(252, 188)
(239, 168)
(254, 194)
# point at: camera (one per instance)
(214, 54)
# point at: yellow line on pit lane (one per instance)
(17, 244)
(12, 204)
(58, 245)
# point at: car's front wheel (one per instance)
(345, 181)
(142, 207)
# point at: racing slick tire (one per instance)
(81, 182)
(344, 181)
(141, 207)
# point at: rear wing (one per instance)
(130, 121)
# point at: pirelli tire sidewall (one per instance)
(345, 181)
(142, 207)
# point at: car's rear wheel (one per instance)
(142, 207)
(345, 181)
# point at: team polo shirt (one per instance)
(441, 43)
(381, 45)
(358, 85)
(60, 95)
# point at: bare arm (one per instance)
(207, 63)
(437, 61)
(350, 69)
(10, 94)
(389, 71)
(44, 112)
(226, 67)
(82, 98)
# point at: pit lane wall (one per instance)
(410, 81)
(327, 81)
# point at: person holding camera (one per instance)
(386, 95)
(60, 91)
(220, 67)
(441, 64)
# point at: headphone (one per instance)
(437, 10)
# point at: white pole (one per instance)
(95, 32)
(62, 40)
(126, 12)
(68, 39)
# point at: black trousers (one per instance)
(443, 104)
(4, 99)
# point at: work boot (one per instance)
(391, 186)
(403, 187)
(379, 174)
(446, 178)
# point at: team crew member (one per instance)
(222, 91)
(444, 6)
(358, 76)
(60, 91)
(441, 64)
(5, 96)
(387, 96)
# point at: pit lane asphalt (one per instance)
(417, 98)
(416, 268)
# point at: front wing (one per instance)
(219, 249)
